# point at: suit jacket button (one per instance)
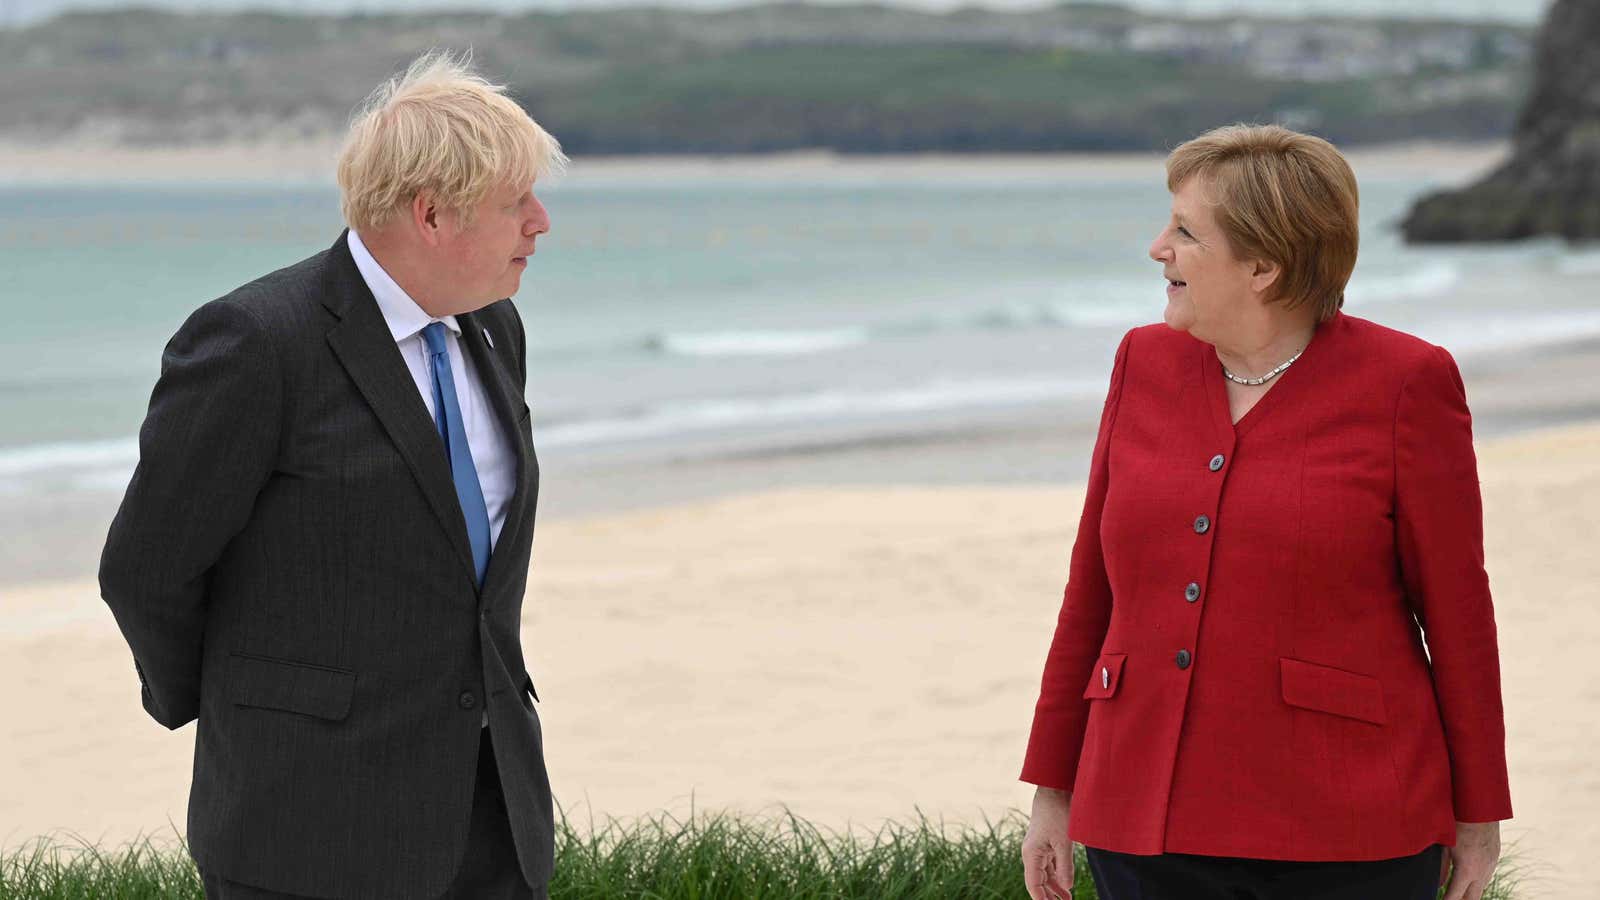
(1105, 678)
(1202, 525)
(1183, 659)
(467, 701)
(1192, 592)
(1217, 461)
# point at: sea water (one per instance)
(675, 314)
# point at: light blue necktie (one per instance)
(447, 415)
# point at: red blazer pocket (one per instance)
(1330, 690)
(1106, 676)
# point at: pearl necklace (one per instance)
(1257, 382)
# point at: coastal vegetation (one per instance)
(852, 79)
(705, 857)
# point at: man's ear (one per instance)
(425, 218)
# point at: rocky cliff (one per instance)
(1551, 185)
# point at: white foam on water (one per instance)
(1432, 280)
(1108, 315)
(104, 465)
(760, 343)
(1511, 331)
(35, 459)
(676, 419)
(107, 465)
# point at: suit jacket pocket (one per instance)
(1326, 689)
(312, 690)
(1106, 677)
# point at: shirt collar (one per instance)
(401, 313)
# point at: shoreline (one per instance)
(311, 163)
(57, 535)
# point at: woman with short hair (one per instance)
(1283, 499)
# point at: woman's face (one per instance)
(1209, 287)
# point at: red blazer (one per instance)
(1238, 668)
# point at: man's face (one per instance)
(485, 260)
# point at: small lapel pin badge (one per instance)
(486, 337)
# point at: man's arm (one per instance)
(206, 448)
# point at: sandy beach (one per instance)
(848, 622)
(311, 161)
(851, 653)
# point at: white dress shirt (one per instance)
(491, 450)
(492, 454)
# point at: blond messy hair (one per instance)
(441, 128)
(1282, 196)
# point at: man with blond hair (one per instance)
(322, 554)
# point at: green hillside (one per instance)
(864, 79)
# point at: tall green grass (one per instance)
(49, 869)
(702, 857)
(723, 857)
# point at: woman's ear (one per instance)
(1263, 275)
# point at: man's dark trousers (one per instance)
(489, 871)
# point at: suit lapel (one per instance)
(367, 350)
(509, 407)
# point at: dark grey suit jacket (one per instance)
(290, 566)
